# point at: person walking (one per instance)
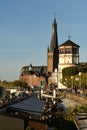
(26, 119)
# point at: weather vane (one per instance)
(54, 14)
(69, 37)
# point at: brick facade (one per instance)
(32, 80)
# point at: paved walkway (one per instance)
(70, 103)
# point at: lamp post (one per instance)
(77, 81)
(66, 82)
(56, 77)
(80, 80)
(72, 82)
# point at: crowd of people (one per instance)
(11, 98)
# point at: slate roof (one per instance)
(54, 39)
(31, 105)
(69, 43)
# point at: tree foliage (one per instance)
(76, 78)
(70, 71)
(83, 69)
(18, 83)
(74, 70)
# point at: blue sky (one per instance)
(26, 28)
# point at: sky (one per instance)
(26, 30)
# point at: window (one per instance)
(62, 51)
(75, 51)
(67, 50)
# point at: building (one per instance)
(52, 51)
(33, 75)
(68, 56)
(58, 57)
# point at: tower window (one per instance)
(67, 50)
(75, 51)
(62, 51)
(50, 57)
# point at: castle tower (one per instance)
(68, 56)
(52, 52)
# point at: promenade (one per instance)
(70, 102)
(81, 119)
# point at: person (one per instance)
(26, 119)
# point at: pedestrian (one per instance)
(26, 119)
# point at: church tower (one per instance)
(52, 51)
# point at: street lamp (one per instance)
(80, 80)
(56, 77)
(66, 82)
(72, 82)
(77, 81)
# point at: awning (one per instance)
(61, 86)
(30, 105)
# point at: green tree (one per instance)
(70, 71)
(18, 83)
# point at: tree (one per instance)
(70, 71)
(18, 83)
